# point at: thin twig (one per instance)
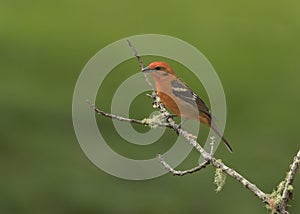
(139, 58)
(181, 173)
(290, 176)
(287, 191)
(129, 120)
(141, 64)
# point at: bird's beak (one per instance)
(146, 69)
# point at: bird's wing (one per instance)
(182, 91)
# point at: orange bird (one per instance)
(179, 98)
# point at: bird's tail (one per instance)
(216, 130)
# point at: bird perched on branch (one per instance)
(179, 98)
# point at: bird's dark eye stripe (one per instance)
(158, 68)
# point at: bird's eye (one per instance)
(158, 68)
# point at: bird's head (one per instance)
(159, 68)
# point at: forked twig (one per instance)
(184, 172)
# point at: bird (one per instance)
(179, 98)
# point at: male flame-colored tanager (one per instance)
(179, 98)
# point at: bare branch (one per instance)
(112, 116)
(181, 173)
(141, 64)
(139, 58)
(288, 188)
(290, 177)
(145, 122)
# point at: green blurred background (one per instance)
(254, 47)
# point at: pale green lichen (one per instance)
(220, 178)
(154, 121)
(276, 197)
(290, 188)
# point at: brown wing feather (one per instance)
(182, 91)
